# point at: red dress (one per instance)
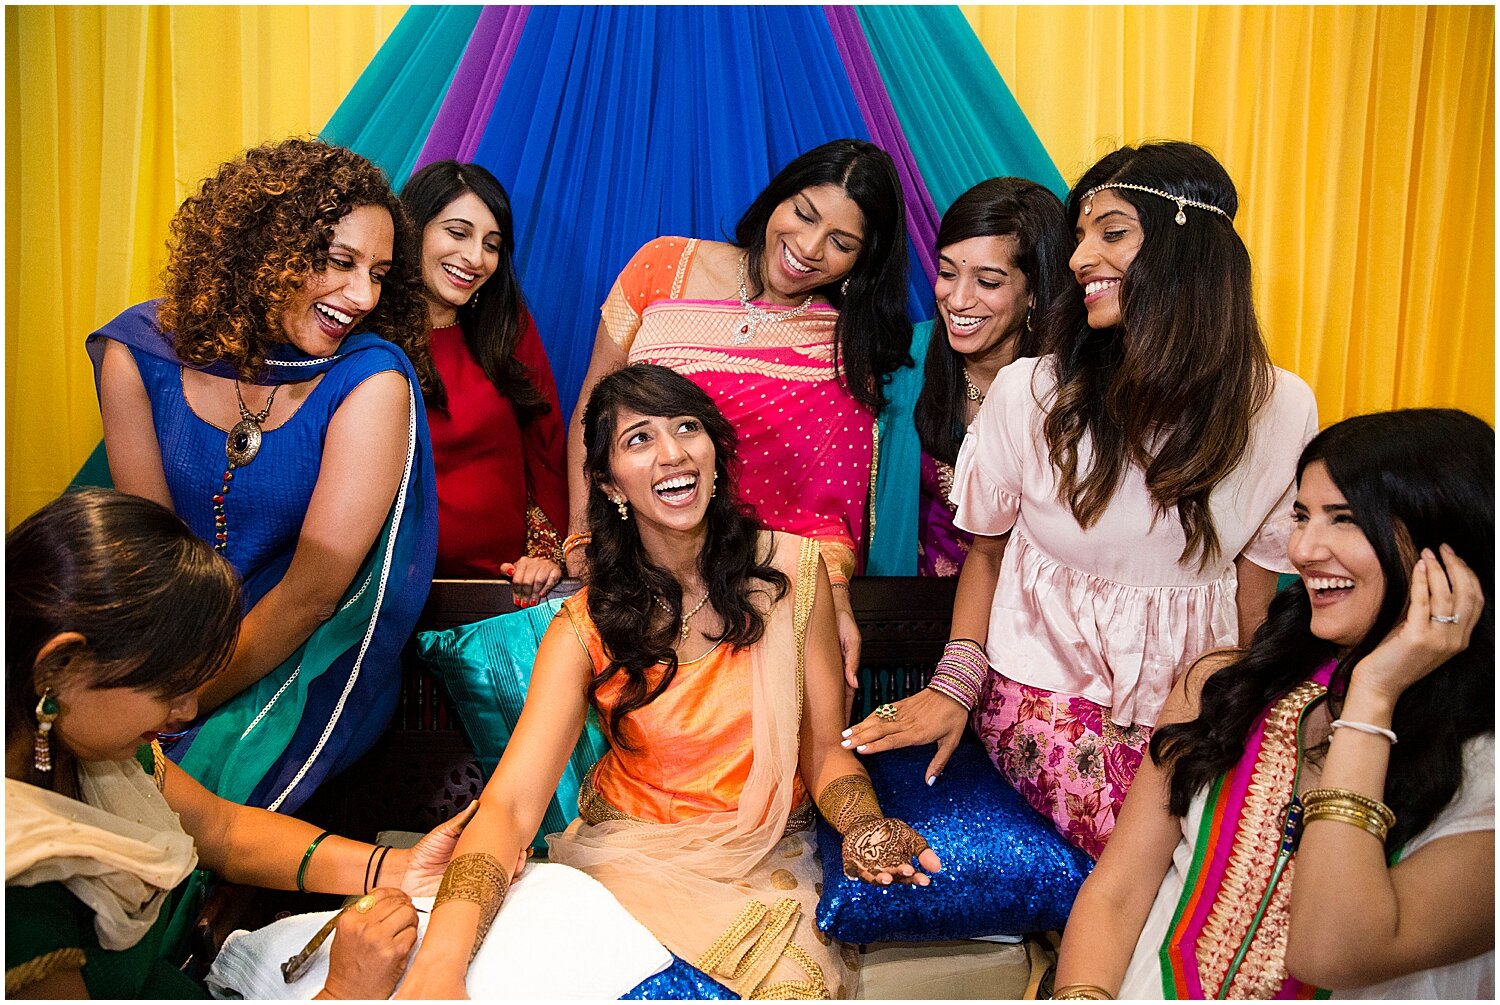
(502, 488)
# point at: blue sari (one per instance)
(315, 714)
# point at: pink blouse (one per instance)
(1109, 613)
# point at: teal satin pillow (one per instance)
(486, 668)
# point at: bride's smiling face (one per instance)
(663, 467)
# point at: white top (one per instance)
(1109, 613)
(1472, 809)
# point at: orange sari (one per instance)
(710, 844)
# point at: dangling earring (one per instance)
(844, 286)
(46, 712)
(1028, 320)
(713, 486)
(623, 507)
(473, 302)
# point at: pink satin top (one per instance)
(1109, 613)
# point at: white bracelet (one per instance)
(1365, 727)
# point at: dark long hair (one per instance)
(1175, 388)
(1414, 479)
(872, 338)
(999, 207)
(624, 583)
(158, 610)
(492, 319)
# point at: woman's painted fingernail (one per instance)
(931, 779)
(847, 731)
(845, 743)
(861, 747)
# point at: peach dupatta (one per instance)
(732, 892)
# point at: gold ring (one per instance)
(888, 712)
(363, 904)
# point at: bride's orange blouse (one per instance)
(691, 746)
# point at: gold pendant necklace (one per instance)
(243, 442)
(686, 628)
(972, 392)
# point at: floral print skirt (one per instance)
(1062, 754)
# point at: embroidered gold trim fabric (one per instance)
(874, 474)
(479, 879)
(778, 920)
(806, 594)
(158, 766)
(542, 540)
(595, 809)
(682, 268)
(688, 360)
(1251, 861)
(41, 967)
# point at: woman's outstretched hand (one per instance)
(1445, 605)
(427, 859)
(880, 852)
(925, 717)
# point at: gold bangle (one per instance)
(1314, 799)
(1082, 992)
(1347, 815)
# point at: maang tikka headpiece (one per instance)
(1181, 201)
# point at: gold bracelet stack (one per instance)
(1350, 807)
(1082, 992)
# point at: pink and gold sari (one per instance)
(1228, 934)
(807, 447)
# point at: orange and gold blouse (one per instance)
(691, 752)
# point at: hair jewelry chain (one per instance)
(1180, 200)
(755, 315)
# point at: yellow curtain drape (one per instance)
(1361, 140)
(112, 115)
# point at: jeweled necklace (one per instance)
(755, 315)
(243, 442)
(972, 392)
(241, 446)
(686, 628)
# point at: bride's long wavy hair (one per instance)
(624, 584)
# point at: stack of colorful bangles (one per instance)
(960, 673)
(1347, 806)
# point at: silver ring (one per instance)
(1445, 619)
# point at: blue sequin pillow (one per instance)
(1006, 871)
(679, 982)
(486, 668)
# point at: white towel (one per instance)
(559, 935)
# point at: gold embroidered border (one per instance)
(1253, 859)
(689, 360)
(682, 268)
(158, 766)
(595, 809)
(41, 967)
(806, 593)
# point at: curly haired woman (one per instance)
(273, 400)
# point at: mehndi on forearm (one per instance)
(480, 879)
(872, 841)
(848, 800)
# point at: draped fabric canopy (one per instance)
(611, 126)
(1361, 140)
